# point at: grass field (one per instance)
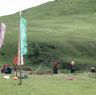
(50, 85)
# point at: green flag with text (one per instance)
(23, 36)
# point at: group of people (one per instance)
(56, 67)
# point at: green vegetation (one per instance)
(62, 30)
(69, 25)
(50, 85)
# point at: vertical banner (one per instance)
(23, 36)
(2, 33)
(22, 44)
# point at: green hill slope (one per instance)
(69, 25)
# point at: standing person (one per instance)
(55, 67)
(15, 61)
(72, 67)
(92, 69)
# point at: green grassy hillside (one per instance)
(69, 25)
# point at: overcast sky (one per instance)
(8, 7)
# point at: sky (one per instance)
(8, 7)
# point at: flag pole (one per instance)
(20, 52)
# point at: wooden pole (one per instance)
(20, 54)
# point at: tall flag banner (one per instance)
(23, 36)
(22, 46)
(2, 33)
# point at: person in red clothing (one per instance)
(15, 60)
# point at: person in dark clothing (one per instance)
(3, 70)
(6, 69)
(92, 69)
(72, 67)
(55, 67)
